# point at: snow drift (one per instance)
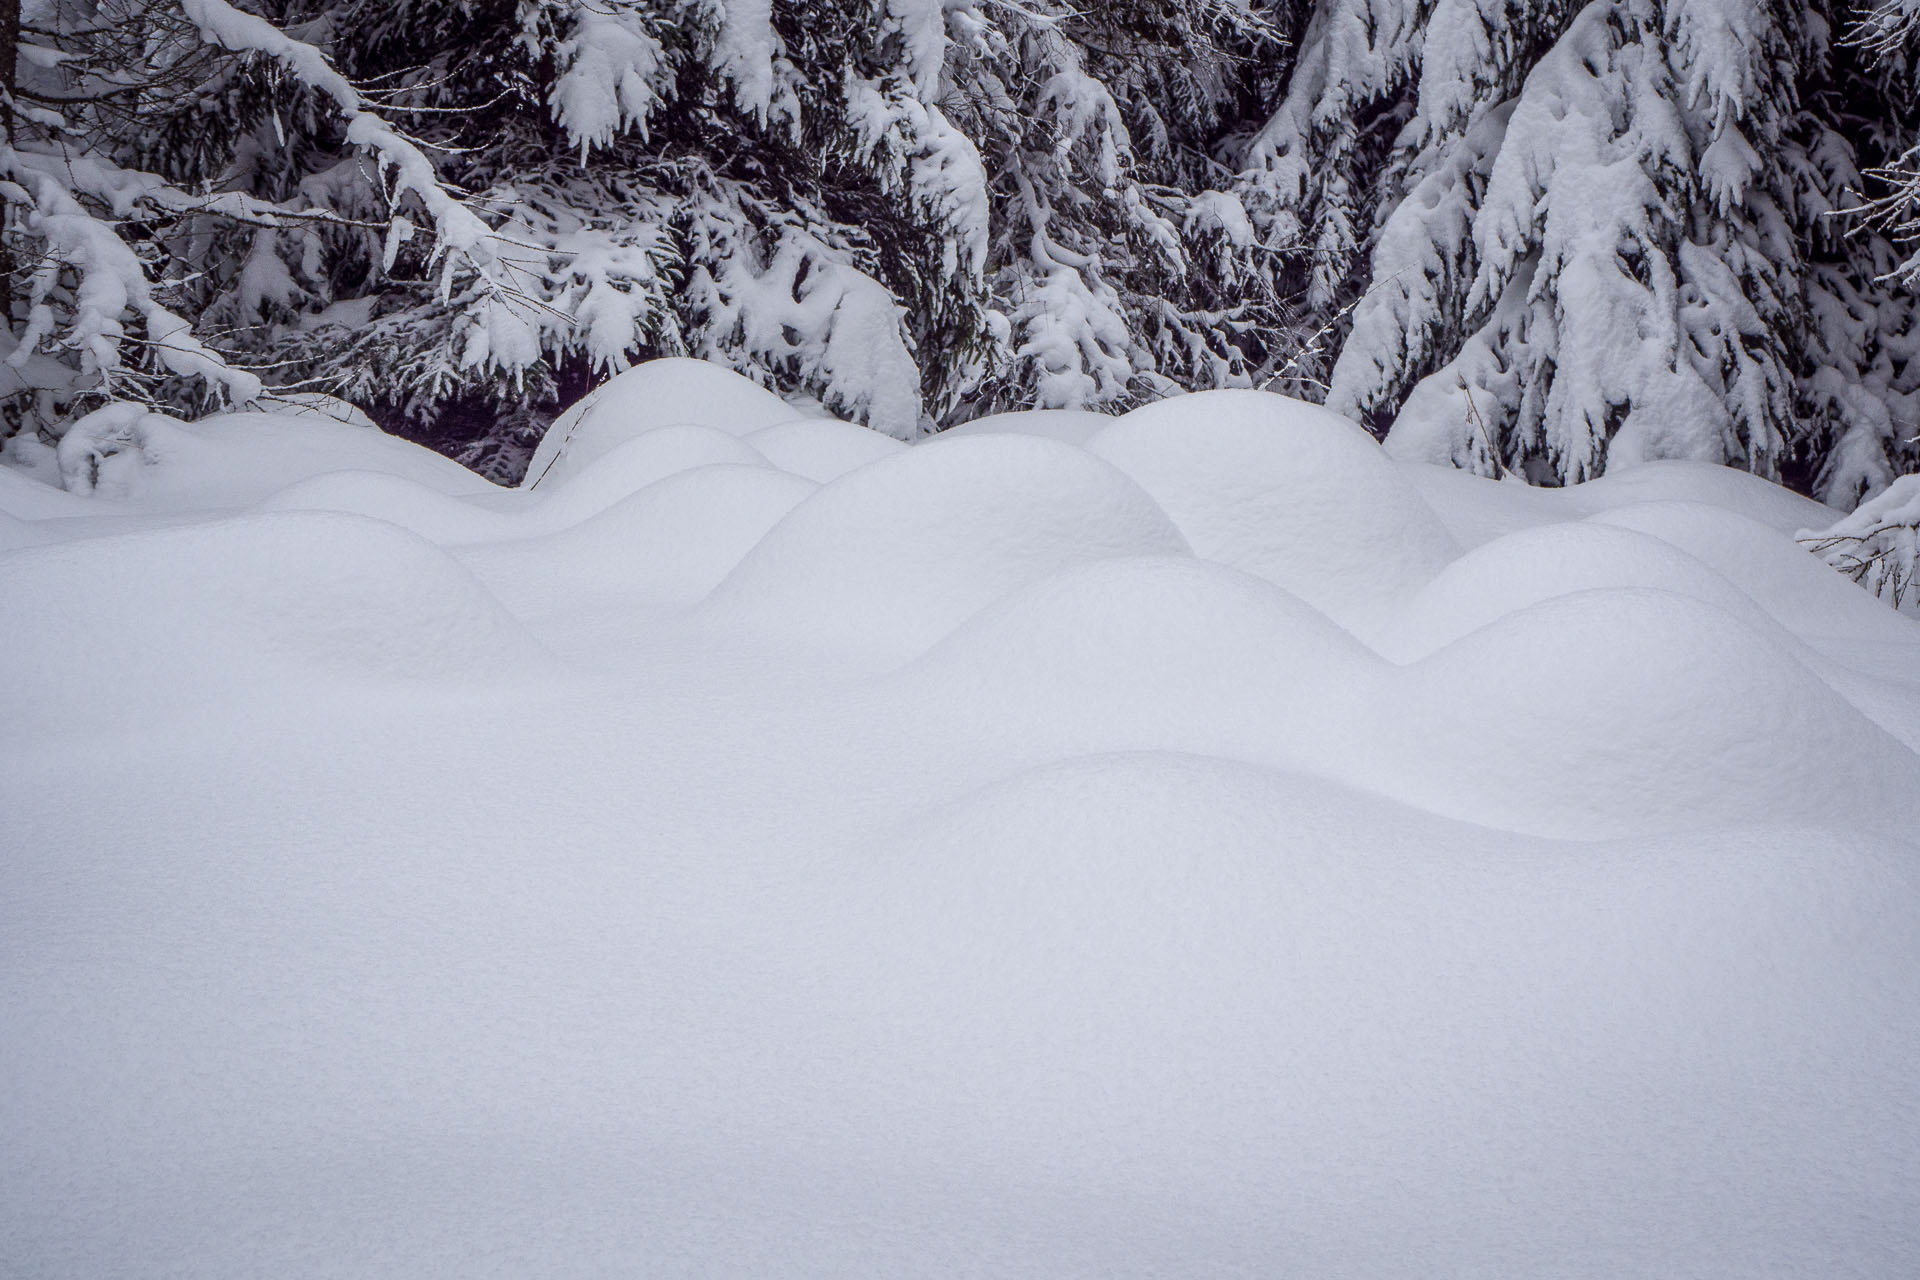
(758, 846)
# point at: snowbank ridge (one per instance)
(1191, 843)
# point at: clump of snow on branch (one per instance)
(784, 299)
(613, 72)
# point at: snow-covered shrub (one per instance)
(1878, 546)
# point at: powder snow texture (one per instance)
(234, 458)
(673, 392)
(1287, 491)
(763, 848)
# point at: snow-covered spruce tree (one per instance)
(1125, 265)
(1573, 230)
(130, 212)
(85, 314)
(912, 210)
(1309, 175)
(1352, 61)
(182, 158)
(681, 177)
(773, 187)
(1635, 258)
(1860, 389)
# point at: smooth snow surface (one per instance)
(661, 393)
(1293, 493)
(821, 449)
(234, 459)
(1069, 426)
(760, 847)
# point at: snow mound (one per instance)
(1286, 491)
(822, 449)
(16, 533)
(672, 542)
(573, 494)
(607, 481)
(175, 616)
(1478, 509)
(376, 495)
(1807, 596)
(946, 870)
(660, 393)
(234, 460)
(25, 498)
(1522, 569)
(888, 559)
(1417, 1047)
(1615, 712)
(1150, 654)
(1068, 426)
(1673, 480)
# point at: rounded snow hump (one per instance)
(1288, 492)
(674, 391)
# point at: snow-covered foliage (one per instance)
(763, 846)
(1125, 265)
(776, 191)
(1308, 168)
(1535, 238)
(131, 124)
(1878, 546)
(909, 211)
(1575, 234)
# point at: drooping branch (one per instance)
(9, 80)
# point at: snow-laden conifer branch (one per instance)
(109, 282)
(1609, 223)
(1543, 237)
(78, 202)
(461, 235)
(1878, 546)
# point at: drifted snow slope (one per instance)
(759, 848)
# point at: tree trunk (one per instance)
(9, 65)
